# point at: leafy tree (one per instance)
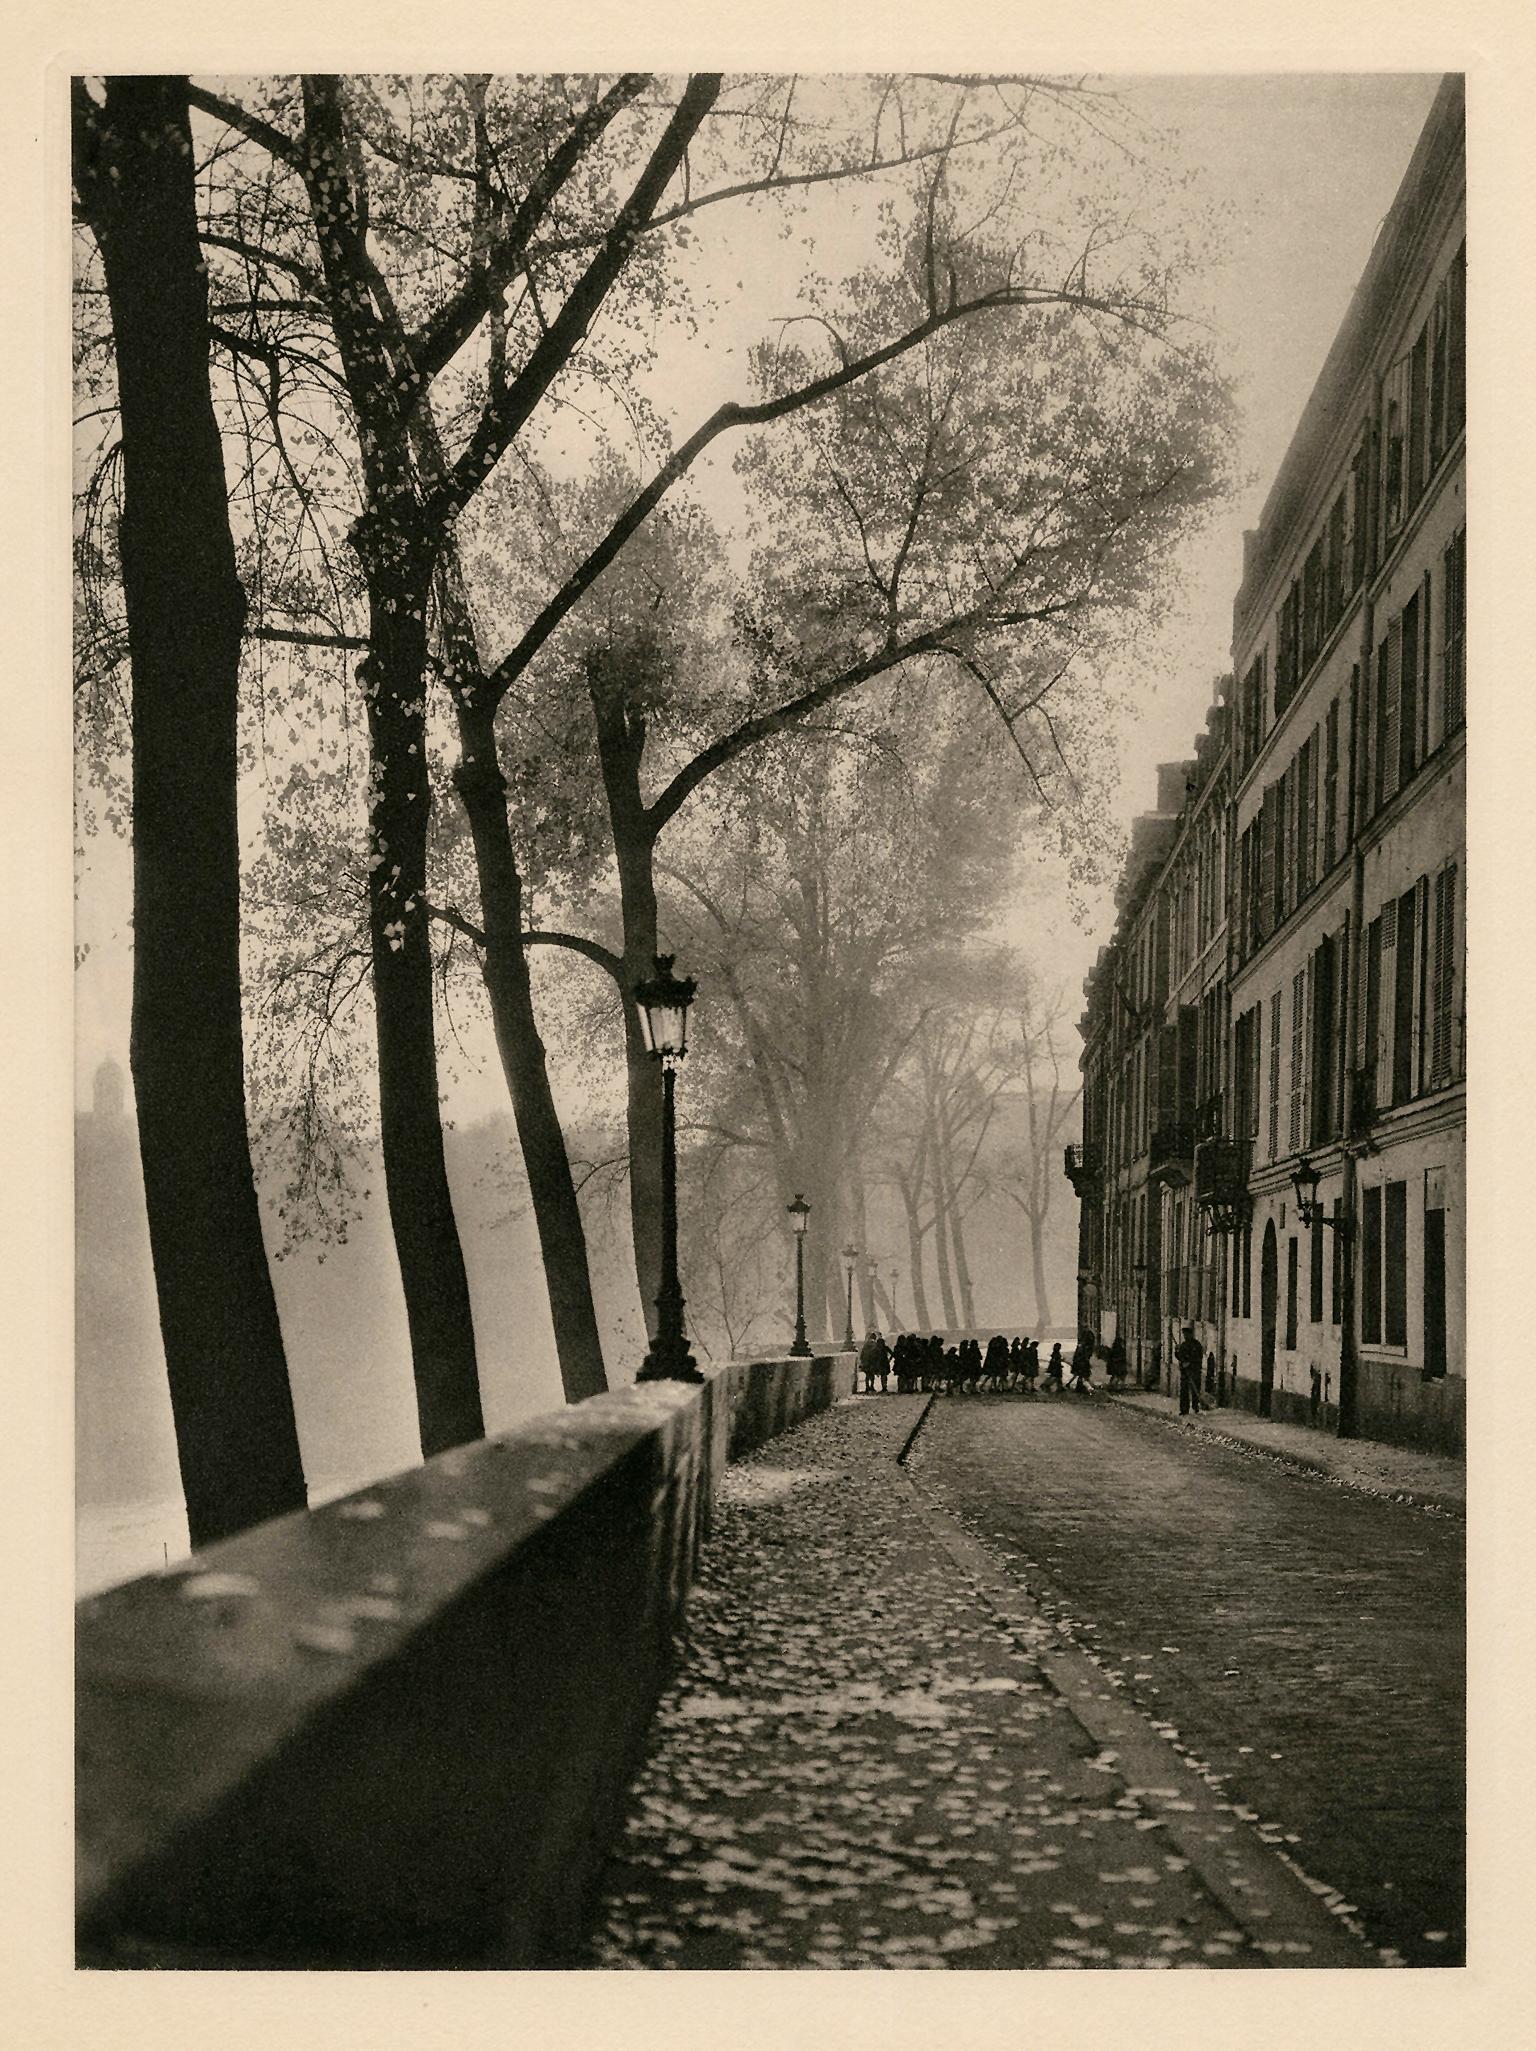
(185, 609)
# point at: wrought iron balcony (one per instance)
(1085, 1168)
(1172, 1157)
(1221, 1181)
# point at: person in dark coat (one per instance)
(995, 1366)
(869, 1360)
(934, 1374)
(1018, 1353)
(1117, 1362)
(951, 1370)
(1082, 1363)
(1031, 1366)
(1054, 1371)
(1190, 1356)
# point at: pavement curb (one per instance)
(1304, 1463)
(1264, 1892)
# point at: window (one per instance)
(1443, 979)
(1371, 1010)
(1407, 696)
(1456, 348)
(1438, 376)
(1270, 858)
(1402, 999)
(1395, 1259)
(1418, 415)
(1315, 1274)
(1455, 631)
(1298, 1057)
(1274, 1076)
(1287, 649)
(1394, 413)
(1248, 1271)
(1324, 1026)
(1306, 775)
(1312, 603)
(1291, 1255)
(1331, 785)
(1285, 851)
(1389, 665)
(1359, 474)
(1337, 571)
(1370, 1266)
(1336, 1305)
(1386, 1004)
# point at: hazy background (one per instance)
(1303, 168)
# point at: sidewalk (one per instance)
(878, 1752)
(1435, 1480)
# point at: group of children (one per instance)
(924, 1365)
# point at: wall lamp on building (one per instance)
(1304, 1180)
(799, 1216)
(664, 1000)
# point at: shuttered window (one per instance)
(1298, 1057)
(1402, 1000)
(1370, 1265)
(1408, 692)
(1337, 572)
(1323, 1043)
(1358, 528)
(1304, 775)
(1340, 1023)
(1370, 1011)
(1388, 687)
(1455, 631)
(1336, 1280)
(1394, 415)
(1443, 981)
(1395, 1264)
(1387, 1006)
(1418, 415)
(1269, 830)
(1274, 1076)
(1331, 788)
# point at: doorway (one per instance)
(1269, 1292)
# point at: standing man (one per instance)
(1190, 1358)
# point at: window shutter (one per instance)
(1402, 999)
(1444, 980)
(1381, 1053)
(1394, 415)
(1455, 630)
(1274, 1075)
(1456, 349)
(1390, 688)
(1408, 691)
(1426, 627)
(1331, 788)
(1418, 414)
(1340, 1022)
(1298, 1054)
(1438, 376)
(1254, 1052)
(1422, 1000)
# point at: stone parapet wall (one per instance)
(398, 1730)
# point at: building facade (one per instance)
(1312, 1223)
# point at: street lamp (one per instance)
(664, 1000)
(799, 1216)
(1304, 1180)
(850, 1258)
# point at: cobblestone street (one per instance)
(878, 1752)
(1305, 1641)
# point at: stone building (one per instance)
(1330, 1159)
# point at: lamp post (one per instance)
(850, 1261)
(664, 1000)
(799, 1216)
(895, 1313)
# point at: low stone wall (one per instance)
(399, 1730)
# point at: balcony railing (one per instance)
(1172, 1152)
(1221, 1181)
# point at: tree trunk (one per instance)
(962, 1265)
(924, 1322)
(1043, 1319)
(557, 1214)
(861, 1239)
(426, 1234)
(941, 1231)
(236, 1439)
